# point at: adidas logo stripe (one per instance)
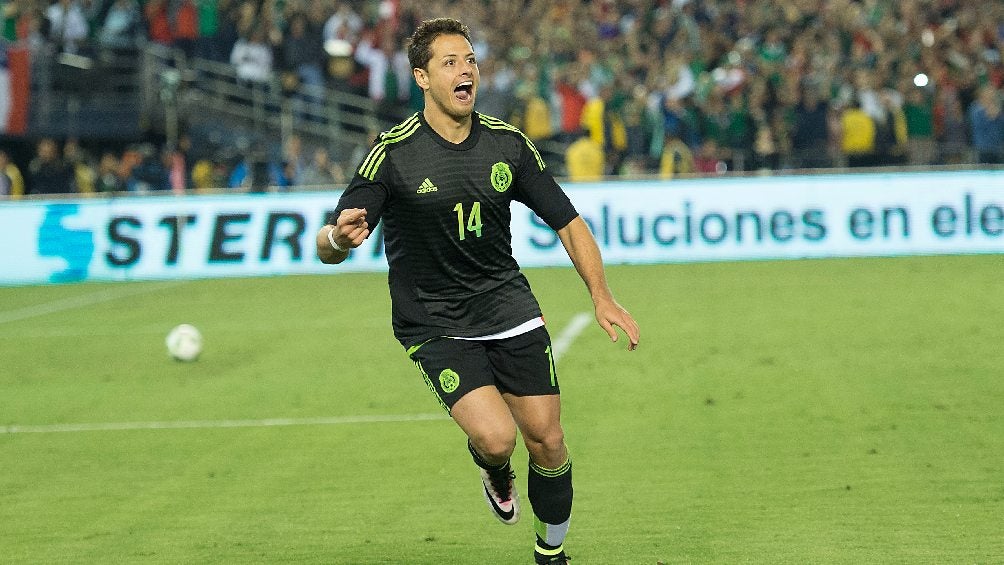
(426, 186)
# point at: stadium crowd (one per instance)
(623, 87)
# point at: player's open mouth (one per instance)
(464, 91)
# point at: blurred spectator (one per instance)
(713, 119)
(606, 127)
(867, 96)
(811, 130)
(182, 163)
(639, 129)
(280, 174)
(177, 170)
(987, 126)
(677, 158)
(708, 159)
(739, 128)
(48, 173)
(108, 179)
(766, 154)
(772, 54)
(584, 159)
(129, 160)
(5, 86)
(83, 170)
(495, 91)
(252, 58)
(252, 172)
(202, 175)
(207, 44)
(185, 26)
(570, 100)
(10, 11)
(11, 181)
(150, 174)
(67, 25)
(121, 25)
(342, 73)
(858, 141)
(301, 62)
(389, 73)
(531, 114)
(344, 24)
(918, 112)
(241, 174)
(679, 78)
(321, 172)
(359, 152)
(31, 30)
(302, 51)
(292, 163)
(158, 22)
(951, 128)
(890, 132)
(207, 175)
(232, 20)
(679, 120)
(736, 73)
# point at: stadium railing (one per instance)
(178, 90)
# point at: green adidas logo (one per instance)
(426, 186)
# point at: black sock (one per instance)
(550, 494)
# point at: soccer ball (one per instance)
(184, 342)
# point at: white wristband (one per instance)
(331, 240)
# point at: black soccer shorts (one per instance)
(522, 365)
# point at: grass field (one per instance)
(826, 411)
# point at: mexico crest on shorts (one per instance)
(501, 176)
(449, 380)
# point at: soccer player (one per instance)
(442, 182)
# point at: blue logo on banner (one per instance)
(56, 240)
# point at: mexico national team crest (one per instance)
(501, 176)
(449, 380)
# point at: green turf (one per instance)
(826, 411)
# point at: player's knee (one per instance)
(495, 446)
(547, 448)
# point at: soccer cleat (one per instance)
(558, 559)
(500, 494)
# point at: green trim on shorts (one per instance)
(428, 382)
(414, 348)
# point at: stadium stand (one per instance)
(193, 90)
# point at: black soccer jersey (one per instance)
(445, 210)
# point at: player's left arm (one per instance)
(585, 255)
(536, 188)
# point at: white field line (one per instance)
(208, 330)
(80, 301)
(207, 424)
(569, 333)
(559, 347)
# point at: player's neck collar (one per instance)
(472, 138)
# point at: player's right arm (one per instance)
(359, 208)
(334, 241)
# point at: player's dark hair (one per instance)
(420, 44)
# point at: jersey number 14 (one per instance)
(473, 220)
